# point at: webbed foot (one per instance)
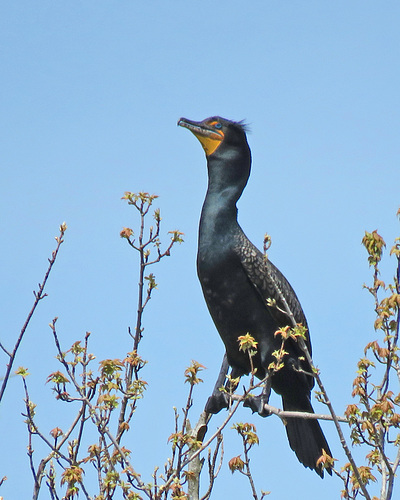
(216, 402)
(257, 404)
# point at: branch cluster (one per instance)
(106, 396)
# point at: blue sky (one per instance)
(91, 93)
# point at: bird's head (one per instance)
(227, 151)
(215, 132)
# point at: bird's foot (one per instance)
(216, 402)
(257, 404)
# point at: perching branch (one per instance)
(282, 414)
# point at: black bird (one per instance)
(237, 281)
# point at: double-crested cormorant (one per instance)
(237, 281)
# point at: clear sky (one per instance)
(90, 95)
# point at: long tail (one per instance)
(305, 435)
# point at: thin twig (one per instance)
(248, 471)
(204, 419)
(39, 295)
(323, 390)
(213, 468)
(103, 430)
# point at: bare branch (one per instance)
(39, 295)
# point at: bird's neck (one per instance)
(226, 182)
(218, 216)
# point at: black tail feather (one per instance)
(305, 436)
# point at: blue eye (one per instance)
(218, 126)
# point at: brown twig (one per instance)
(39, 295)
(327, 401)
(142, 202)
(97, 420)
(213, 468)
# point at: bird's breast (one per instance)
(235, 307)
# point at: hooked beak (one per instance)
(209, 137)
